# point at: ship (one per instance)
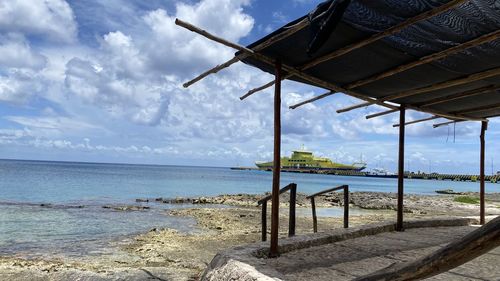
(305, 160)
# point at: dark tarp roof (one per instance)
(364, 18)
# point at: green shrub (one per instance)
(466, 199)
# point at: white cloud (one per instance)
(49, 19)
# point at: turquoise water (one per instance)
(77, 224)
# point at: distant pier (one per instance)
(423, 176)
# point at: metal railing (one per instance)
(346, 205)
(293, 199)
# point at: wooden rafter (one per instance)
(317, 97)
(466, 94)
(479, 109)
(427, 59)
(447, 123)
(270, 61)
(278, 37)
(388, 32)
(438, 86)
(418, 121)
(381, 113)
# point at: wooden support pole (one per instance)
(484, 127)
(315, 218)
(264, 221)
(417, 121)
(293, 202)
(381, 113)
(356, 106)
(346, 206)
(275, 206)
(401, 168)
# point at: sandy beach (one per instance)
(222, 221)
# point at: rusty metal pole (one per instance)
(484, 127)
(401, 167)
(273, 251)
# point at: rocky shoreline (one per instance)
(165, 254)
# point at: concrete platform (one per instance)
(345, 254)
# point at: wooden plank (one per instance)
(388, 32)
(427, 59)
(282, 190)
(458, 252)
(446, 123)
(275, 206)
(401, 168)
(417, 121)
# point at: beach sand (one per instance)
(165, 254)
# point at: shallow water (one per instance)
(28, 229)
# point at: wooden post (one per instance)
(484, 127)
(315, 219)
(346, 206)
(293, 200)
(275, 207)
(264, 221)
(401, 168)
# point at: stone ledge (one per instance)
(248, 263)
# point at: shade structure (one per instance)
(446, 63)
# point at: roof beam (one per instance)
(375, 37)
(291, 30)
(317, 98)
(270, 61)
(466, 94)
(479, 109)
(438, 86)
(417, 121)
(447, 123)
(427, 59)
(381, 113)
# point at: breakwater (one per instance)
(409, 175)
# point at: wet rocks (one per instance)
(126, 208)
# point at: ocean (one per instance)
(55, 208)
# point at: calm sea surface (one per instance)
(29, 229)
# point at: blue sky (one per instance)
(101, 81)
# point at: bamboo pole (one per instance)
(388, 32)
(401, 168)
(381, 113)
(417, 121)
(273, 252)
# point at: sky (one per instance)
(101, 81)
